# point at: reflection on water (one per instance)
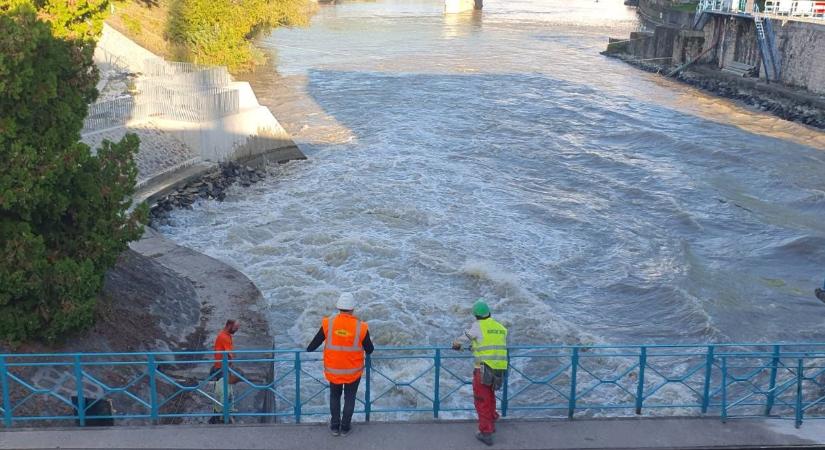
(497, 154)
(461, 24)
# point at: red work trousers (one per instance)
(485, 401)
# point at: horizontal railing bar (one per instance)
(394, 410)
(584, 349)
(389, 358)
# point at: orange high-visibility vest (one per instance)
(343, 352)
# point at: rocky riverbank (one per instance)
(212, 185)
(777, 100)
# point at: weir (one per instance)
(723, 381)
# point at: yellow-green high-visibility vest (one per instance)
(492, 349)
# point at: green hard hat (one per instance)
(480, 308)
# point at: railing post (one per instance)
(505, 401)
(799, 377)
(724, 389)
(151, 367)
(708, 373)
(4, 387)
(641, 387)
(574, 365)
(81, 398)
(436, 390)
(297, 409)
(367, 396)
(772, 386)
(225, 373)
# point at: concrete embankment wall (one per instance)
(799, 44)
(661, 12)
(802, 51)
(249, 135)
(800, 47)
(127, 51)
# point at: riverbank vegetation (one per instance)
(209, 32)
(64, 210)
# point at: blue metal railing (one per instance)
(782, 381)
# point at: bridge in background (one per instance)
(781, 382)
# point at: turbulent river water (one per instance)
(498, 155)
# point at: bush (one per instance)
(76, 20)
(63, 211)
(218, 32)
(132, 24)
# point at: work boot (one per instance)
(487, 438)
(346, 431)
(335, 430)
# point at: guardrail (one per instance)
(808, 11)
(781, 381)
(190, 106)
(186, 75)
(726, 6)
(793, 9)
(169, 90)
(114, 113)
(163, 103)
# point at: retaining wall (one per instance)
(661, 12)
(124, 49)
(802, 52)
(250, 134)
(801, 45)
(801, 48)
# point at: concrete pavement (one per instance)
(620, 433)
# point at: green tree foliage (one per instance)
(63, 211)
(76, 20)
(218, 32)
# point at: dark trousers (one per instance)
(335, 391)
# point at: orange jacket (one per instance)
(343, 348)
(223, 343)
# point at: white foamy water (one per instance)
(498, 155)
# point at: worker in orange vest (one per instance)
(347, 338)
(223, 344)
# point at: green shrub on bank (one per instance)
(63, 211)
(218, 32)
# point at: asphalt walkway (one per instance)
(625, 433)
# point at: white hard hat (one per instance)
(346, 302)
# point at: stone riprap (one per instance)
(766, 99)
(211, 185)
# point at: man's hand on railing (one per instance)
(456, 345)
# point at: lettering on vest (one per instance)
(492, 349)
